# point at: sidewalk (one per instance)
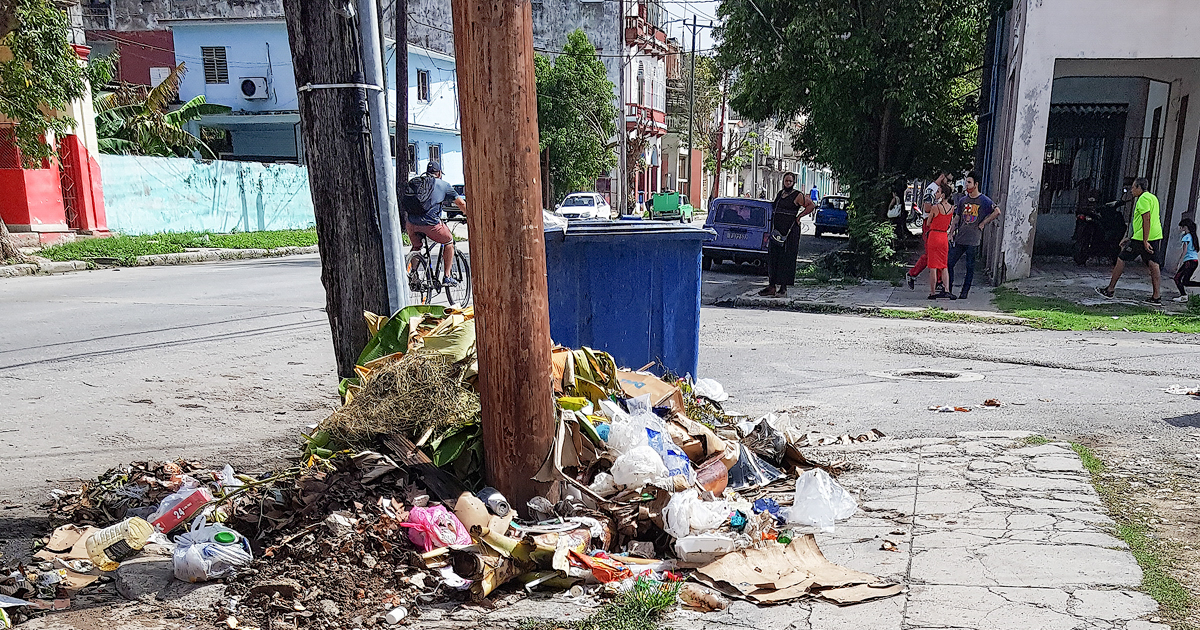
(182, 258)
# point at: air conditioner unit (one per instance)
(254, 88)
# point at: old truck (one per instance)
(670, 206)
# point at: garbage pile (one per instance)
(385, 510)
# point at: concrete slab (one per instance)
(1044, 449)
(1112, 605)
(1025, 564)
(980, 609)
(883, 614)
(1056, 464)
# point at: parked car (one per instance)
(743, 228)
(448, 206)
(832, 215)
(671, 206)
(585, 205)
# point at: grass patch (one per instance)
(1035, 440)
(640, 609)
(125, 249)
(1155, 557)
(1060, 314)
(818, 273)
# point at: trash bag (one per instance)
(820, 501)
(685, 514)
(638, 467)
(764, 438)
(710, 389)
(435, 527)
(751, 471)
(677, 463)
(208, 552)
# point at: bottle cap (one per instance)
(225, 538)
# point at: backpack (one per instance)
(418, 195)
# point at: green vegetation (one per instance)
(125, 249)
(1035, 440)
(1155, 556)
(936, 314)
(139, 121)
(640, 609)
(1060, 314)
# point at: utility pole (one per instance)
(623, 144)
(692, 112)
(402, 165)
(385, 175)
(333, 125)
(493, 42)
(713, 194)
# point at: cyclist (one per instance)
(430, 223)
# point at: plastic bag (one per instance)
(710, 389)
(765, 438)
(209, 552)
(820, 501)
(677, 463)
(435, 527)
(685, 514)
(638, 467)
(603, 485)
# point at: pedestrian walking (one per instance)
(789, 207)
(1189, 259)
(1145, 242)
(937, 243)
(972, 212)
(927, 202)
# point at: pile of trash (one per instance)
(385, 510)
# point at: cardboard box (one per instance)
(661, 394)
(183, 511)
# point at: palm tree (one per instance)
(137, 121)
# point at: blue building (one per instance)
(247, 65)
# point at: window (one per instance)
(216, 70)
(435, 153)
(641, 84)
(422, 85)
(412, 157)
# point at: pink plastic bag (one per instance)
(435, 527)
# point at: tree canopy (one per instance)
(40, 77)
(576, 115)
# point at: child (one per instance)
(1190, 259)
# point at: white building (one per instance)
(1081, 97)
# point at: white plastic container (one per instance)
(703, 548)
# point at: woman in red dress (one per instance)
(937, 245)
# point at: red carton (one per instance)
(182, 511)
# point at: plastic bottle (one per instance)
(109, 546)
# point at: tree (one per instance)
(576, 115)
(37, 82)
(137, 121)
(878, 90)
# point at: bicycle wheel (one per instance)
(420, 278)
(460, 296)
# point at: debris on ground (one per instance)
(384, 510)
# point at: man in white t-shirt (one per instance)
(926, 205)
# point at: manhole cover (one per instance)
(927, 375)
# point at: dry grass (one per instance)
(413, 395)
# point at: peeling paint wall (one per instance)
(144, 195)
(554, 20)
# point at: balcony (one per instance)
(642, 34)
(647, 120)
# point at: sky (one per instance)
(684, 9)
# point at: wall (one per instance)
(143, 195)
(139, 51)
(554, 20)
(252, 49)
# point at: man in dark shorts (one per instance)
(430, 224)
(1145, 241)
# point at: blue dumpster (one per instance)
(631, 289)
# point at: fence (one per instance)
(144, 195)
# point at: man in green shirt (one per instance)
(1145, 242)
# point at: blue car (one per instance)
(743, 228)
(832, 215)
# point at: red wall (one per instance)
(32, 197)
(140, 51)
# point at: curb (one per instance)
(182, 258)
(831, 308)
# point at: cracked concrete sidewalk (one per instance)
(991, 534)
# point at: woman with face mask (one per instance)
(789, 207)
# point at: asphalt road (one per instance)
(229, 361)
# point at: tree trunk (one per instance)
(716, 189)
(340, 171)
(8, 249)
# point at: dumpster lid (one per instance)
(600, 228)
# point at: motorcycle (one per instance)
(1098, 231)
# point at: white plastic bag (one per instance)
(638, 467)
(199, 556)
(820, 501)
(710, 389)
(685, 514)
(187, 487)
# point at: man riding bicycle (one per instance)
(430, 223)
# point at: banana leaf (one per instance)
(393, 336)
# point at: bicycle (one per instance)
(425, 273)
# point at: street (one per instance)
(232, 360)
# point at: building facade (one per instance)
(1080, 97)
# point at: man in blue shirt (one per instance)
(814, 194)
(430, 223)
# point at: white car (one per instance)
(586, 205)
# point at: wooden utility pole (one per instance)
(716, 189)
(402, 165)
(493, 44)
(333, 124)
